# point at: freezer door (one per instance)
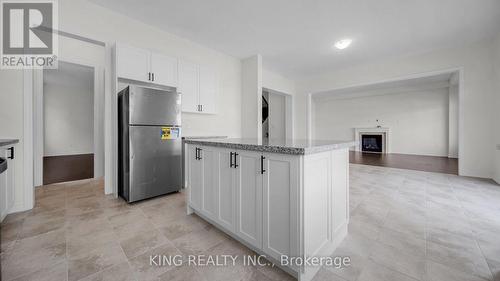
(154, 107)
(155, 163)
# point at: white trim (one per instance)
(110, 124)
(309, 129)
(28, 191)
(461, 93)
(459, 70)
(395, 79)
(38, 126)
(98, 122)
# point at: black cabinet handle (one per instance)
(231, 160)
(153, 76)
(149, 76)
(262, 171)
(199, 154)
(196, 153)
(235, 161)
(11, 153)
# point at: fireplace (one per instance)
(375, 140)
(372, 143)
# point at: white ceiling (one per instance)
(295, 36)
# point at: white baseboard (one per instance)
(18, 208)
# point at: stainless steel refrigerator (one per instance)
(149, 146)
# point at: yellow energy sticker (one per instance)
(165, 133)
(168, 133)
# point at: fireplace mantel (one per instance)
(384, 131)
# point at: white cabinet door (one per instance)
(164, 70)
(189, 86)
(132, 63)
(195, 177)
(227, 192)
(208, 157)
(280, 201)
(249, 197)
(208, 89)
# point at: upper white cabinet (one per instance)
(132, 63)
(208, 89)
(145, 66)
(189, 86)
(164, 69)
(198, 86)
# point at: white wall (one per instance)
(418, 120)
(251, 101)
(275, 81)
(496, 54)
(453, 121)
(68, 107)
(477, 107)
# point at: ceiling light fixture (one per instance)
(342, 44)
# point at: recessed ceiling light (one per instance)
(342, 44)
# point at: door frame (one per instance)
(38, 117)
(289, 120)
(460, 72)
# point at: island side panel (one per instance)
(340, 189)
(325, 204)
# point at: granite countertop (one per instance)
(203, 137)
(293, 146)
(4, 142)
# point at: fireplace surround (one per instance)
(373, 140)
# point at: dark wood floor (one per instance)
(405, 161)
(67, 168)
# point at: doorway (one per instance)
(416, 118)
(276, 115)
(68, 123)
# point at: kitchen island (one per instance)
(280, 198)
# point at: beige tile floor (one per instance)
(405, 225)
